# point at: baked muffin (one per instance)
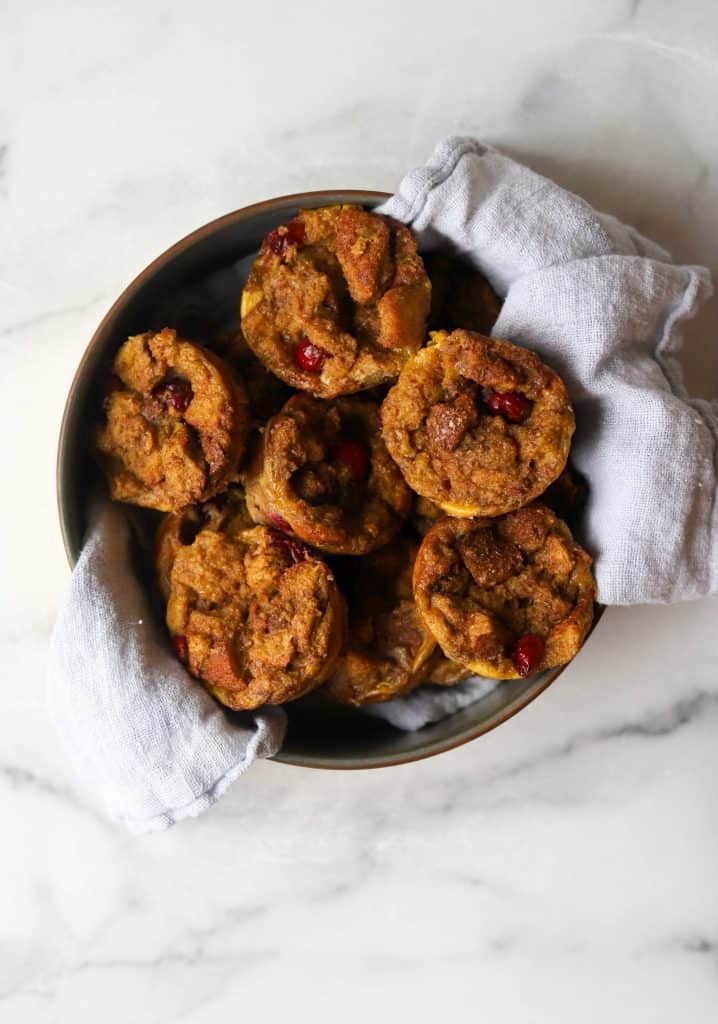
(460, 295)
(176, 423)
(508, 596)
(227, 513)
(255, 615)
(388, 647)
(322, 472)
(336, 301)
(478, 425)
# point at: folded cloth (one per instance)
(603, 306)
(429, 704)
(151, 744)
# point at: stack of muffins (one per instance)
(362, 543)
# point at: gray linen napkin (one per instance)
(151, 744)
(603, 306)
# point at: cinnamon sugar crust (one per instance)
(323, 473)
(454, 447)
(259, 618)
(176, 423)
(483, 584)
(346, 282)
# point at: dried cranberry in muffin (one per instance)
(176, 424)
(387, 647)
(505, 596)
(258, 626)
(461, 448)
(338, 306)
(322, 472)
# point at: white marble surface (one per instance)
(562, 868)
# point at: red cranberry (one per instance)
(280, 239)
(276, 242)
(528, 653)
(279, 522)
(294, 550)
(296, 232)
(181, 649)
(175, 392)
(310, 357)
(354, 455)
(511, 405)
(112, 384)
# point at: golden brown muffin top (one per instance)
(387, 646)
(323, 473)
(257, 616)
(227, 513)
(478, 425)
(506, 596)
(336, 300)
(176, 423)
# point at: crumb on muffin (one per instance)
(337, 300)
(507, 596)
(477, 425)
(322, 472)
(175, 424)
(255, 615)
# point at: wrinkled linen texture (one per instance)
(142, 735)
(604, 307)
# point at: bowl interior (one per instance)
(318, 735)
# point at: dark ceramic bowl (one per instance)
(317, 737)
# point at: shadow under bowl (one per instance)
(318, 736)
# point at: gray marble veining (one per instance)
(562, 867)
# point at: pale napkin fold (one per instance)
(603, 306)
(142, 735)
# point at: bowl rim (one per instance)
(441, 746)
(184, 243)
